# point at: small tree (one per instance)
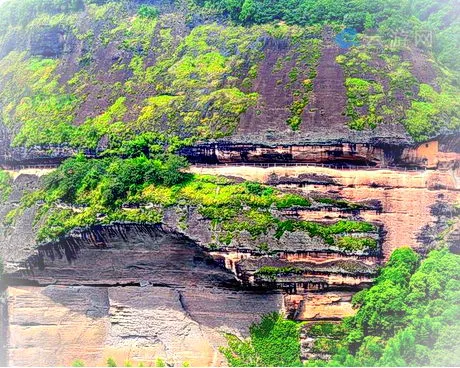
(148, 12)
(160, 363)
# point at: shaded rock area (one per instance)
(361, 154)
(18, 238)
(140, 295)
(339, 153)
(49, 43)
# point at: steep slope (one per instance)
(124, 250)
(92, 75)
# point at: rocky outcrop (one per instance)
(338, 153)
(140, 295)
(55, 325)
(190, 222)
(49, 43)
(17, 238)
(405, 197)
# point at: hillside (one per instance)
(229, 182)
(94, 74)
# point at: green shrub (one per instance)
(403, 319)
(5, 186)
(147, 11)
(160, 363)
(327, 232)
(274, 272)
(273, 342)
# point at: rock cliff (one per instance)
(272, 86)
(360, 138)
(137, 292)
(140, 295)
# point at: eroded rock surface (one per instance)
(405, 197)
(137, 292)
(140, 295)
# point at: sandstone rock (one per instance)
(89, 303)
(405, 196)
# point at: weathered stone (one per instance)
(144, 295)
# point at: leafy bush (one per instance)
(274, 272)
(273, 342)
(327, 232)
(433, 112)
(5, 186)
(148, 11)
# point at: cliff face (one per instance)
(138, 295)
(138, 292)
(268, 85)
(378, 154)
(406, 198)
(104, 74)
(134, 292)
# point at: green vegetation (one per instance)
(5, 186)
(381, 88)
(103, 186)
(196, 86)
(340, 203)
(78, 363)
(191, 91)
(409, 317)
(361, 93)
(329, 232)
(84, 192)
(34, 100)
(160, 363)
(350, 243)
(148, 11)
(272, 273)
(388, 17)
(273, 342)
(307, 47)
(433, 112)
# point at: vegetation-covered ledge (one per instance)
(84, 192)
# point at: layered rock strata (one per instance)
(136, 294)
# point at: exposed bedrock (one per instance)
(18, 238)
(131, 293)
(405, 197)
(430, 154)
(189, 221)
(443, 152)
